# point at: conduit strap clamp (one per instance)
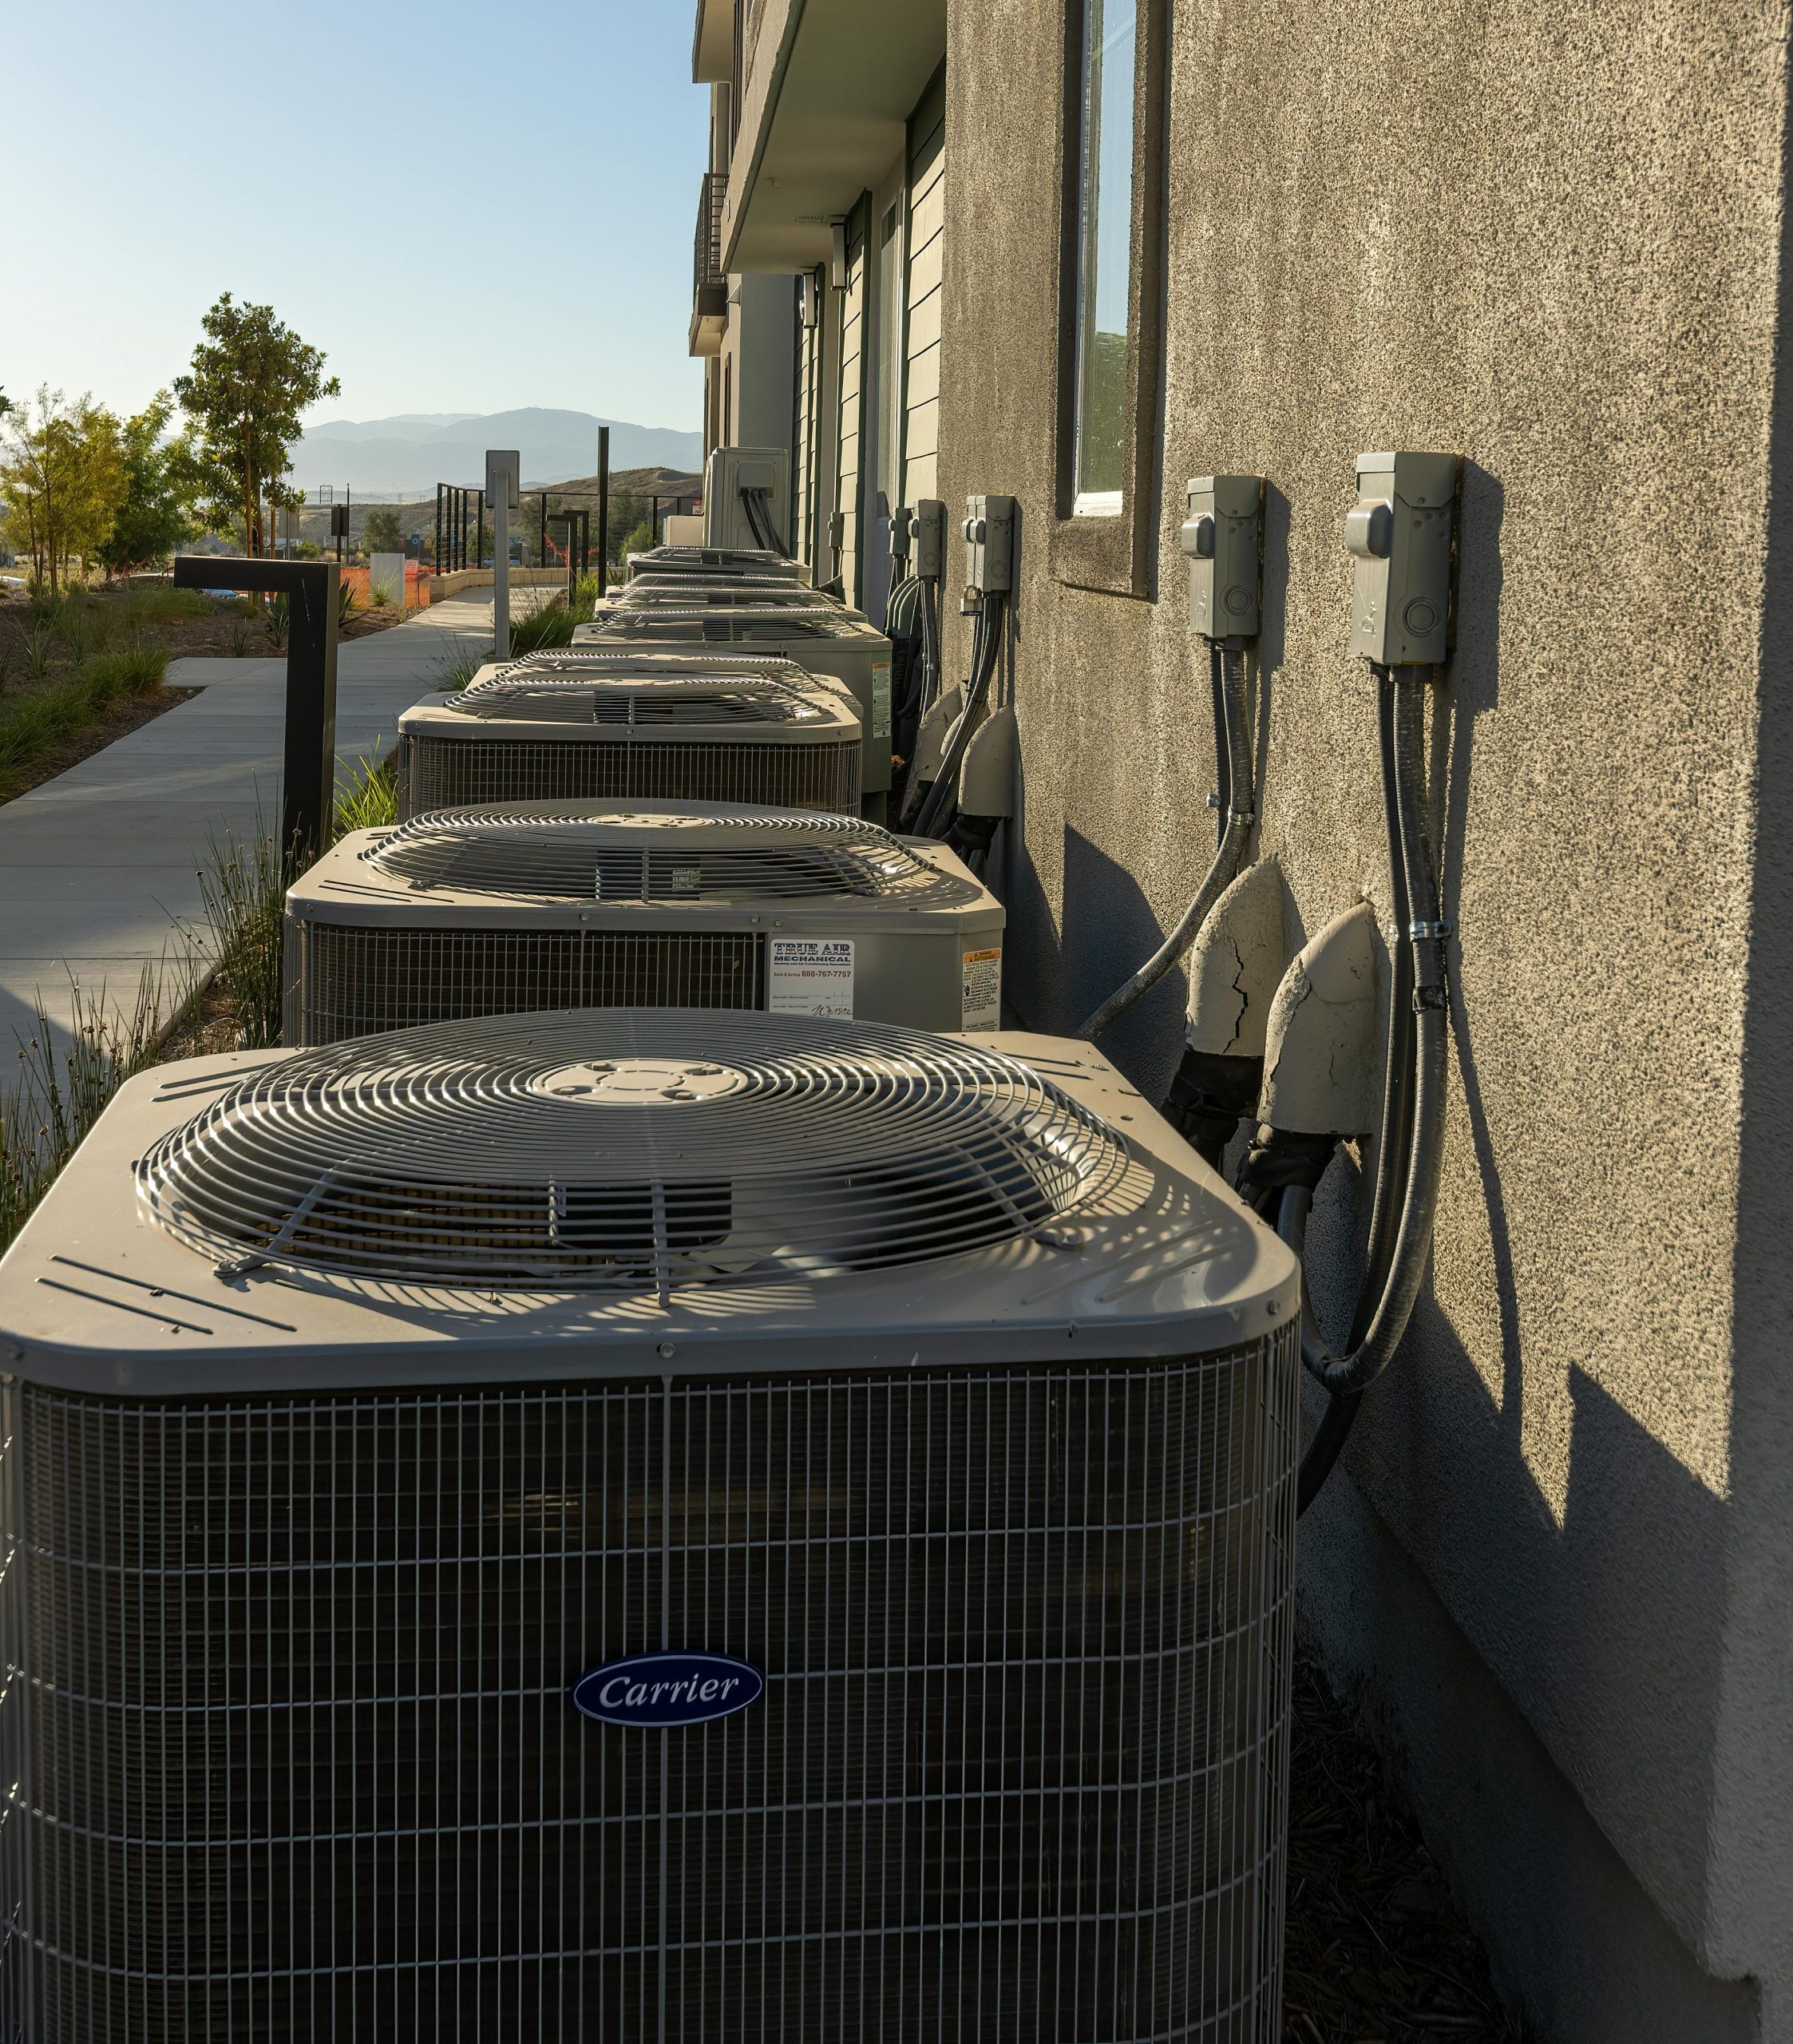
(1241, 816)
(1431, 932)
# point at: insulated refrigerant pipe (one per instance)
(1424, 938)
(1234, 769)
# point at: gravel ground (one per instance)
(1377, 1952)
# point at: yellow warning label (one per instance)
(981, 1005)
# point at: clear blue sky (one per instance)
(468, 208)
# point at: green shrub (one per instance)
(161, 603)
(243, 887)
(542, 630)
(369, 799)
(456, 671)
(56, 1098)
(278, 621)
(38, 641)
(136, 671)
(32, 725)
(345, 603)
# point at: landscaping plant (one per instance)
(56, 1097)
(543, 629)
(30, 725)
(38, 641)
(368, 800)
(242, 886)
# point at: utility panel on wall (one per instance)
(1399, 533)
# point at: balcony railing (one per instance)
(709, 282)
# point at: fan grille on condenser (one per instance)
(671, 626)
(572, 688)
(689, 559)
(675, 854)
(628, 1151)
(673, 592)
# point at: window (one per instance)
(1104, 255)
(1109, 400)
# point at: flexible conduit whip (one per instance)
(987, 646)
(1236, 826)
(1424, 936)
(1222, 539)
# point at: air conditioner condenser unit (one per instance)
(690, 593)
(639, 1524)
(716, 563)
(569, 905)
(563, 726)
(824, 641)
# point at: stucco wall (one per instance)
(1546, 235)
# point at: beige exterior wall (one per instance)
(1548, 237)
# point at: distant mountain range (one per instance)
(417, 450)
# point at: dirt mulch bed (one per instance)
(1377, 1952)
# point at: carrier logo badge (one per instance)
(658, 1690)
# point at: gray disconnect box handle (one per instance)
(1399, 535)
(1222, 539)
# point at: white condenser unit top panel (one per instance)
(625, 1190)
(824, 641)
(682, 592)
(650, 724)
(484, 910)
(715, 562)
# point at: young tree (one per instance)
(251, 380)
(383, 533)
(61, 479)
(162, 484)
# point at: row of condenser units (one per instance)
(656, 1473)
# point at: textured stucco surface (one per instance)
(1546, 235)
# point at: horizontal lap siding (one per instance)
(853, 335)
(923, 296)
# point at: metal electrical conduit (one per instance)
(1411, 1145)
(1233, 758)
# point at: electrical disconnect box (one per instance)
(902, 533)
(930, 539)
(504, 469)
(1399, 535)
(1220, 538)
(989, 530)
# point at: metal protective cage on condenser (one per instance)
(813, 1562)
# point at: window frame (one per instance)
(1113, 549)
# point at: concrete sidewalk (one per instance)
(99, 868)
